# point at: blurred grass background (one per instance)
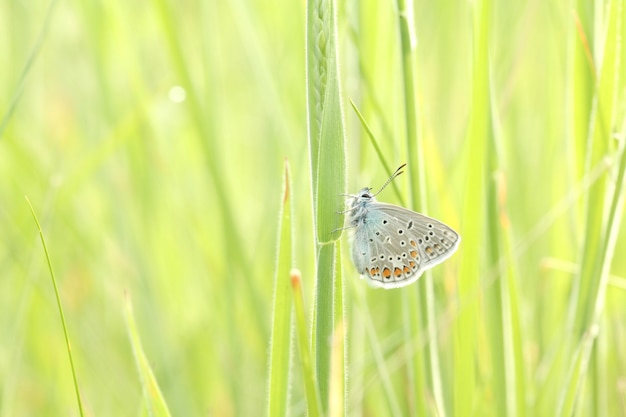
(150, 139)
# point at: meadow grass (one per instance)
(194, 274)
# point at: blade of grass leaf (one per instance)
(465, 391)
(336, 402)
(582, 78)
(379, 152)
(60, 306)
(383, 373)
(499, 297)
(513, 355)
(417, 184)
(280, 344)
(597, 147)
(328, 162)
(155, 403)
(571, 395)
(339, 355)
(310, 386)
(578, 369)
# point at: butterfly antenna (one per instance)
(393, 176)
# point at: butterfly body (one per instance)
(393, 245)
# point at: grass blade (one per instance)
(308, 374)
(465, 382)
(601, 232)
(280, 344)
(424, 298)
(60, 306)
(154, 400)
(587, 283)
(379, 152)
(327, 153)
(336, 402)
(339, 353)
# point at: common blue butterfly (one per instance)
(393, 245)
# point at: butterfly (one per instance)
(392, 246)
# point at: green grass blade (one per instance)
(379, 153)
(571, 393)
(501, 307)
(465, 390)
(339, 354)
(280, 344)
(579, 366)
(324, 318)
(582, 77)
(336, 402)
(514, 361)
(417, 183)
(597, 148)
(155, 403)
(601, 233)
(308, 374)
(60, 306)
(383, 373)
(327, 153)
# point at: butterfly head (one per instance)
(357, 206)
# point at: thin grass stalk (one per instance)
(588, 134)
(506, 375)
(379, 153)
(465, 392)
(60, 307)
(514, 360)
(571, 393)
(597, 148)
(311, 388)
(494, 305)
(155, 404)
(280, 344)
(336, 402)
(601, 231)
(339, 357)
(580, 364)
(425, 297)
(581, 82)
(383, 375)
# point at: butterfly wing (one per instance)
(393, 246)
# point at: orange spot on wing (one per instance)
(397, 272)
(413, 254)
(386, 272)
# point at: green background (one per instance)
(174, 201)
